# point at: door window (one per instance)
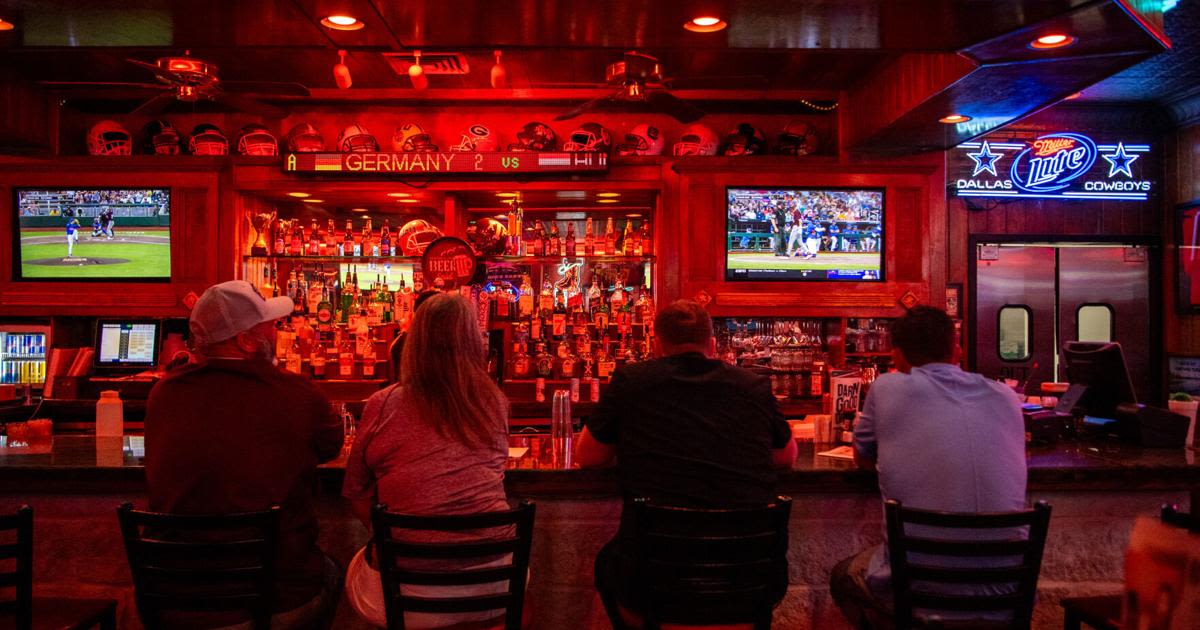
(1013, 340)
(1094, 322)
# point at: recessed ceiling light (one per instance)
(1073, 96)
(705, 24)
(1053, 40)
(399, 194)
(5, 25)
(313, 200)
(607, 200)
(608, 195)
(342, 23)
(358, 209)
(506, 195)
(953, 118)
(408, 201)
(634, 216)
(299, 195)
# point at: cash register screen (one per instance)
(127, 344)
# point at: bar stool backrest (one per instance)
(201, 563)
(20, 578)
(1007, 547)
(1172, 516)
(711, 566)
(509, 532)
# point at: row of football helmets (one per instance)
(160, 137)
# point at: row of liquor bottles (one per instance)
(293, 238)
(534, 237)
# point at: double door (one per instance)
(1031, 299)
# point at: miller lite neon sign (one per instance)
(1061, 165)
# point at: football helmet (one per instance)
(477, 139)
(356, 139)
(488, 236)
(416, 235)
(696, 139)
(304, 138)
(108, 137)
(255, 139)
(207, 139)
(745, 140)
(798, 138)
(535, 136)
(642, 140)
(589, 136)
(161, 138)
(411, 138)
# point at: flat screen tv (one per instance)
(815, 234)
(92, 234)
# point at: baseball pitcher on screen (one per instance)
(72, 234)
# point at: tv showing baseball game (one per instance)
(93, 234)
(820, 234)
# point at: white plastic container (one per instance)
(110, 414)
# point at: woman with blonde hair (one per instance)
(434, 443)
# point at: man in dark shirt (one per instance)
(686, 430)
(231, 432)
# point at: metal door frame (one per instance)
(1157, 393)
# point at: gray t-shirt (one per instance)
(943, 439)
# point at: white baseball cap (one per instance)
(232, 307)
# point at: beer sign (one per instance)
(446, 163)
(449, 259)
(1063, 165)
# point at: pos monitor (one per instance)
(126, 343)
(1101, 367)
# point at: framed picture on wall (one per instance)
(954, 300)
(1187, 258)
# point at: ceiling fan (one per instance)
(188, 79)
(633, 74)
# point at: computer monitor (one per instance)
(127, 343)
(1101, 367)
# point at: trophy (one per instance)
(261, 222)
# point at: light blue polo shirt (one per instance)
(943, 439)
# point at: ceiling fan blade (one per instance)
(103, 84)
(165, 75)
(730, 82)
(274, 88)
(248, 105)
(155, 105)
(674, 107)
(596, 104)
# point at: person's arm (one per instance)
(597, 443)
(592, 453)
(783, 446)
(328, 433)
(358, 485)
(866, 451)
(785, 457)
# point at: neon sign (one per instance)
(449, 163)
(1061, 165)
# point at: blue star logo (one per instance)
(985, 160)
(1119, 161)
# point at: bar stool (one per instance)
(722, 568)
(912, 577)
(201, 565)
(1103, 612)
(29, 612)
(392, 550)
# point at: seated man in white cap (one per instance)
(231, 432)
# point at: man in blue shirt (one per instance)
(72, 235)
(941, 439)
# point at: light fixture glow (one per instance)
(1073, 96)
(399, 194)
(342, 23)
(408, 201)
(607, 200)
(705, 24)
(1053, 40)
(634, 216)
(608, 194)
(313, 200)
(299, 195)
(5, 25)
(953, 119)
(506, 195)
(358, 209)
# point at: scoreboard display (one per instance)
(450, 163)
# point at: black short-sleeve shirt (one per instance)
(691, 431)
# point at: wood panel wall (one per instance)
(1182, 185)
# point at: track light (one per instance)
(341, 72)
(499, 73)
(416, 73)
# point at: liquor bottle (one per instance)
(346, 358)
(317, 361)
(643, 308)
(602, 317)
(404, 305)
(587, 360)
(385, 239)
(546, 300)
(348, 239)
(325, 309)
(589, 238)
(280, 245)
(535, 328)
(610, 238)
(595, 297)
(274, 279)
(525, 299)
(418, 282)
(292, 359)
(384, 297)
(646, 239)
(521, 365)
(627, 239)
(332, 244)
(569, 242)
(566, 361)
(637, 242)
(556, 248)
(315, 287)
(512, 243)
(543, 362)
(539, 240)
(296, 247)
(314, 240)
(368, 357)
(545, 233)
(605, 362)
(617, 301)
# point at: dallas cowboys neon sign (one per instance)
(1061, 165)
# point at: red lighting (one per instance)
(5, 25)
(342, 23)
(953, 118)
(705, 24)
(1053, 40)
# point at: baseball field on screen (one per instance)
(136, 252)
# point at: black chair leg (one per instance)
(1071, 620)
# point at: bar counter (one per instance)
(1096, 490)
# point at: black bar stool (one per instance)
(30, 612)
(918, 584)
(710, 566)
(513, 534)
(201, 565)
(1103, 612)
